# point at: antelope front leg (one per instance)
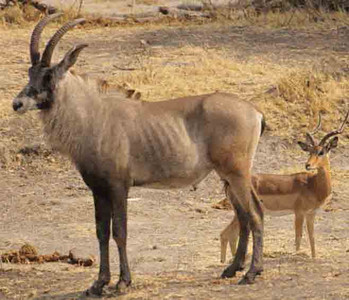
(310, 218)
(229, 234)
(224, 244)
(103, 217)
(119, 203)
(238, 263)
(299, 220)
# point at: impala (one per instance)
(300, 194)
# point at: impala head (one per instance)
(44, 77)
(319, 151)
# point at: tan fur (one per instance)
(100, 118)
(300, 193)
(105, 88)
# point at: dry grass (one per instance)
(148, 2)
(287, 96)
(297, 19)
(303, 93)
(290, 97)
(22, 16)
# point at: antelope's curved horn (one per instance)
(335, 132)
(310, 138)
(35, 38)
(316, 129)
(318, 126)
(47, 56)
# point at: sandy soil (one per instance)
(173, 243)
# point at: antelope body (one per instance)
(300, 194)
(117, 143)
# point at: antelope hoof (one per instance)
(122, 285)
(249, 277)
(231, 271)
(96, 289)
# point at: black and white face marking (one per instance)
(38, 93)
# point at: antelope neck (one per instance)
(323, 181)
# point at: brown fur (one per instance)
(117, 142)
(300, 193)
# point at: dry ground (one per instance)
(173, 235)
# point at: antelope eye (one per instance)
(321, 153)
(33, 92)
(47, 77)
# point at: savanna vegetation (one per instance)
(290, 58)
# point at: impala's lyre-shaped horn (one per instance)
(316, 129)
(335, 132)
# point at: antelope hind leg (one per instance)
(256, 223)
(237, 195)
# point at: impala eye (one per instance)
(321, 153)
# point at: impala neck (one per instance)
(323, 180)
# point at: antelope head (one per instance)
(319, 151)
(44, 77)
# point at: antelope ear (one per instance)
(304, 146)
(333, 143)
(309, 139)
(71, 57)
(137, 95)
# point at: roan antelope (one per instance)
(300, 193)
(117, 143)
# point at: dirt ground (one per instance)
(173, 241)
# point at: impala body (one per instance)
(300, 194)
(117, 143)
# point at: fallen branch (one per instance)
(47, 9)
(222, 204)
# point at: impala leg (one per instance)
(229, 234)
(234, 235)
(119, 217)
(256, 223)
(224, 243)
(103, 217)
(299, 220)
(239, 195)
(310, 218)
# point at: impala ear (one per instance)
(70, 58)
(333, 143)
(309, 139)
(137, 95)
(304, 146)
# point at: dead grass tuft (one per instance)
(301, 94)
(22, 15)
(16, 15)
